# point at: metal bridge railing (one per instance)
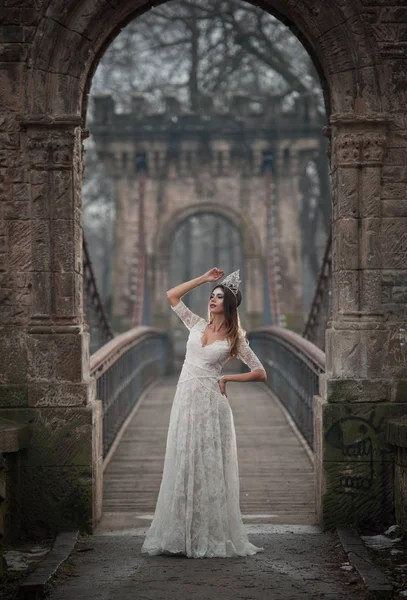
(293, 366)
(96, 317)
(322, 303)
(123, 368)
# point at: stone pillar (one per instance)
(365, 380)
(126, 231)
(160, 314)
(289, 238)
(44, 345)
(397, 438)
(253, 300)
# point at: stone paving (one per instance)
(299, 562)
(277, 502)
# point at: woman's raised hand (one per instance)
(214, 274)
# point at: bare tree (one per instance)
(195, 48)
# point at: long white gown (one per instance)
(198, 511)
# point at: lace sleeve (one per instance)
(187, 316)
(246, 354)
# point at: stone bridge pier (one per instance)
(365, 380)
(48, 53)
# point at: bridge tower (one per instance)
(200, 163)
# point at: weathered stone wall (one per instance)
(44, 354)
(48, 52)
(207, 162)
(397, 439)
(364, 384)
(14, 439)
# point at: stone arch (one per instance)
(167, 229)
(46, 75)
(252, 256)
(72, 36)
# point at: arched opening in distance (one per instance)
(199, 243)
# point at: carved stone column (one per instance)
(44, 346)
(365, 383)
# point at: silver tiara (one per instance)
(232, 281)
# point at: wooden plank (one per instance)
(276, 475)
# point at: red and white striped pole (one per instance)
(138, 283)
(272, 252)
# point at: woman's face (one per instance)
(216, 301)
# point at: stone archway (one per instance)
(252, 253)
(49, 56)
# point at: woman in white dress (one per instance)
(198, 511)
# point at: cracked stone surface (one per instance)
(299, 562)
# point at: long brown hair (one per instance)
(234, 329)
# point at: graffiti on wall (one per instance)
(356, 444)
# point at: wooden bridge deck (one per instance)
(276, 475)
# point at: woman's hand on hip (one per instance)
(222, 385)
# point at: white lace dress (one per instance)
(198, 512)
